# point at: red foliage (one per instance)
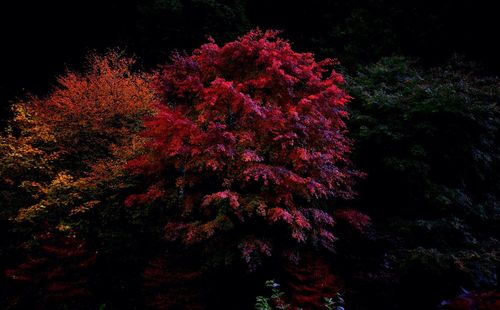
(489, 300)
(354, 218)
(172, 282)
(59, 271)
(250, 132)
(311, 280)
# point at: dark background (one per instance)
(40, 39)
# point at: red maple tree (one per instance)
(248, 147)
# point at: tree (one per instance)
(63, 158)
(69, 133)
(248, 149)
(428, 139)
(89, 113)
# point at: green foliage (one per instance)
(334, 303)
(262, 303)
(273, 302)
(430, 136)
(429, 142)
(276, 300)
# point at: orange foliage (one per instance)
(88, 113)
(53, 142)
(53, 156)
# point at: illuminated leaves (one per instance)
(60, 147)
(88, 113)
(256, 133)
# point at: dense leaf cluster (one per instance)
(250, 141)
